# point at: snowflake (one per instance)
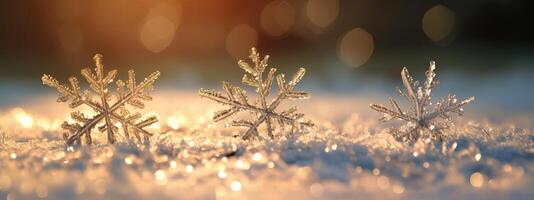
(422, 121)
(237, 99)
(129, 93)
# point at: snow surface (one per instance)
(349, 155)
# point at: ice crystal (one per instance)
(264, 112)
(111, 108)
(422, 120)
(4, 138)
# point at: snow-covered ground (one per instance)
(349, 155)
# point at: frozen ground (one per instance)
(349, 156)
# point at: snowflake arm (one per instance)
(237, 99)
(106, 111)
(421, 117)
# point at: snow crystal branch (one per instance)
(99, 98)
(421, 118)
(237, 99)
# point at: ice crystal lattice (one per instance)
(111, 108)
(237, 100)
(422, 120)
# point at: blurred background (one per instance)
(355, 48)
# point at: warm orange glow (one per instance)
(240, 39)
(398, 189)
(322, 12)
(438, 22)
(477, 179)
(158, 30)
(356, 47)
(175, 122)
(157, 34)
(128, 160)
(70, 37)
(277, 18)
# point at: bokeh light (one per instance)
(25, 120)
(189, 169)
(277, 18)
(236, 186)
(477, 179)
(193, 44)
(356, 47)
(159, 27)
(322, 13)
(240, 39)
(222, 174)
(438, 23)
(161, 177)
(256, 157)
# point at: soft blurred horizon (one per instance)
(482, 47)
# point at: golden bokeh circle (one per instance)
(438, 23)
(157, 33)
(356, 47)
(277, 18)
(240, 39)
(322, 13)
(477, 180)
(159, 27)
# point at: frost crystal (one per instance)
(99, 98)
(4, 138)
(422, 121)
(237, 99)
